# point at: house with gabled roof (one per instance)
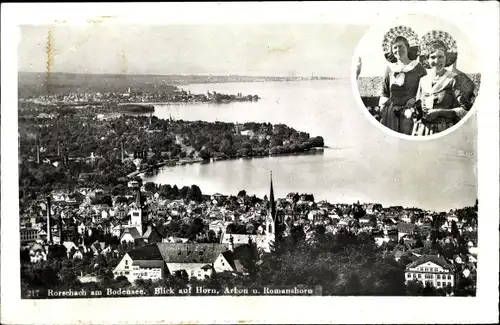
(130, 235)
(433, 270)
(190, 257)
(152, 235)
(232, 260)
(69, 245)
(38, 253)
(156, 260)
(98, 247)
(143, 262)
(406, 229)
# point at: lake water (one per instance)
(363, 163)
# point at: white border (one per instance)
(357, 94)
(481, 309)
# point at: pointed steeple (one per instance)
(271, 198)
(138, 199)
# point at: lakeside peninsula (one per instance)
(63, 149)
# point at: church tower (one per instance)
(136, 213)
(271, 218)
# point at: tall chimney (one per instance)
(123, 156)
(58, 149)
(49, 228)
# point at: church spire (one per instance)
(138, 198)
(271, 198)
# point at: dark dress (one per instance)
(453, 91)
(398, 90)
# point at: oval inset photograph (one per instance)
(417, 76)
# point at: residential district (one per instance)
(156, 234)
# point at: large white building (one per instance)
(432, 270)
(155, 261)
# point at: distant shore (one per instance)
(40, 83)
(183, 162)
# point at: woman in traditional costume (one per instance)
(401, 79)
(445, 96)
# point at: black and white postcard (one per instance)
(250, 162)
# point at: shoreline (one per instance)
(183, 162)
(138, 103)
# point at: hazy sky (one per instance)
(278, 49)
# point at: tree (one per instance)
(182, 275)
(67, 273)
(195, 228)
(175, 191)
(121, 281)
(414, 288)
(405, 260)
(419, 243)
(358, 211)
(454, 229)
(106, 200)
(204, 154)
(212, 236)
(429, 290)
(248, 257)
(25, 255)
(353, 285)
(57, 252)
(147, 285)
(150, 187)
(464, 287)
(195, 194)
(231, 228)
(317, 142)
(276, 141)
